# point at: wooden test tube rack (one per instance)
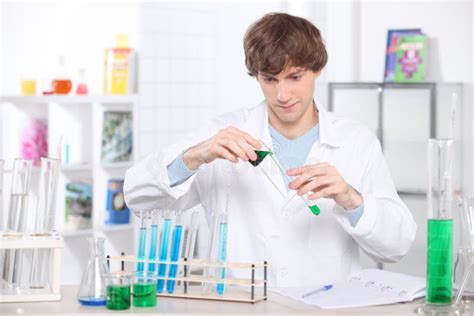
(232, 294)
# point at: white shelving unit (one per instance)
(78, 120)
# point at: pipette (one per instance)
(261, 154)
(141, 243)
(175, 251)
(153, 240)
(165, 236)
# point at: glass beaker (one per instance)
(439, 273)
(144, 290)
(118, 291)
(92, 291)
(16, 222)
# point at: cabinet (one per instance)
(404, 117)
(78, 121)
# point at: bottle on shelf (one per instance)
(62, 83)
(81, 88)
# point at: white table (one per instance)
(276, 304)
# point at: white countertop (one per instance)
(276, 304)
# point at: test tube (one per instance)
(141, 243)
(17, 219)
(175, 251)
(309, 203)
(222, 250)
(44, 222)
(165, 236)
(191, 240)
(212, 255)
(153, 242)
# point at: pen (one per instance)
(322, 289)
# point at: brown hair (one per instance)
(279, 40)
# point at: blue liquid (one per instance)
(141, 249)
(222, 254)
(152, 251)
(174, 257)
(163, 254)
(93, 301)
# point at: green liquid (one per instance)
(314, 209)
(144, 294)
(439, 281)
(118, 297)
(261, 154)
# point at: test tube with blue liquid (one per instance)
(222, 250)
(153, 242)
(175, 251)
(165, 236)
(141, 243)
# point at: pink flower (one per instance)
(34, 143)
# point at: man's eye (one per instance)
(296, 78)
(266, 79)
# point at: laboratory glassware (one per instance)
(439, 273)
(466, 255)
(144, 290)
(261, 155)
(191, 239)
(175, 253)
(17, 219)
(118, 291)
(45, 215)
(141, 243)
(222, 250)
(153, 242)
(165, 236)
(92, 291)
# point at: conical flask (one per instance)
(92, 291)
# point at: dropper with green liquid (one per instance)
(261, 154)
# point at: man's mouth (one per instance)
(288, 108)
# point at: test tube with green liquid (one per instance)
(261, 155)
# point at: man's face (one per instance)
(289, 94)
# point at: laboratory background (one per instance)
(98, 85)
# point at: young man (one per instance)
(337, 161)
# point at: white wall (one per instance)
(35, 32)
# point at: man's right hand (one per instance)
(229, 143)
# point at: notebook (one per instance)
(363, 288)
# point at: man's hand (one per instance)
(323, 180)
(229, 143)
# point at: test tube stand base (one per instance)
(23, 292)
(237, 290)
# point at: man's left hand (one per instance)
(324, 181)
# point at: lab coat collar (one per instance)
(258, 125)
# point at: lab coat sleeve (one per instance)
(147, 184)
(386, 229)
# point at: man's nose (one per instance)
(283, 93)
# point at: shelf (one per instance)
(76, 167)
(70, 99)
(116, 165)
(117, 227)
(77, 233)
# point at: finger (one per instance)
(247, 137)
(323, 193)
(234, 148)
(316, 184)
(249, 151)
(226, 154)
(308, 173)
(297, 171)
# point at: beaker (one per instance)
(44, 222)
(144, 290)
(16, 222)
(92, 291)
(439, 273)
(118, 291)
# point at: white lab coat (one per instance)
(302, 249)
